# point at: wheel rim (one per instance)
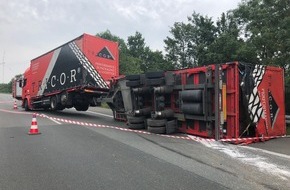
(53, 103)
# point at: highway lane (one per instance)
(67, 156)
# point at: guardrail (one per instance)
(287, 119)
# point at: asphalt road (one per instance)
(103, 156)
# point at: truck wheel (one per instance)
(133, 77)
(136, 126)
(81, 107)
(133, 83)
(53, 103)
(157, 81)
(171, 127)
(143, 111)
(154, 74)
(133, 120)
(156, 122)
(157, 130)
(85, 107)
(26, 107)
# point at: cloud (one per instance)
(29, 28)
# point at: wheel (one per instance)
(78, 107)
(26, 107)
(155, 74)
(136, 125)
(143, 111)
(156, 122)
(155, 81)
(133, 77)
(142, 90)
(132, 119)
(133, 83)
(171, 127)
(53, 103)
(83, 107)
(157, 130)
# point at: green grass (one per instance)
(105, 105)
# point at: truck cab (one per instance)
(20, 89)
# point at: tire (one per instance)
(143, 111)
(136, 126)
(155, 74)
(157, 130)
(133, 83)
(53, 103)
(171, 127)
(156, 122)
(155, 81)
(26, 107)
(142, 90)
(78, 107)
(133, 77)
(81, 107)
(85, 107)
(134, 120)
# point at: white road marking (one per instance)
(96, 113)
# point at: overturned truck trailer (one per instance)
(231, 101)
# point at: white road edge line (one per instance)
(52, 119)
(267, 152)
(96, 113)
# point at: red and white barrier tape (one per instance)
(188, 137)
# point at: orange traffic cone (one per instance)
(15, 105)
(34, 129)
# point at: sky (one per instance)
(29, 28)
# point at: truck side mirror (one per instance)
(24, 82)
(20, 83)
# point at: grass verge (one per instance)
(105, 105)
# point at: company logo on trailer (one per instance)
(105, 53)
(274, 109)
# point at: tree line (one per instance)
(6, 88)
(257, 31)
